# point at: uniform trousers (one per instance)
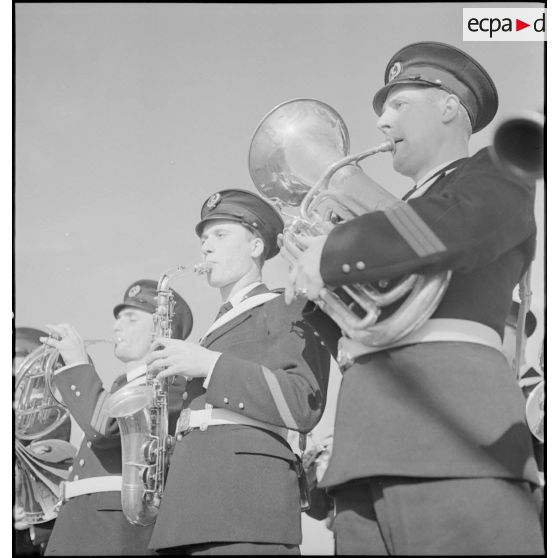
(409, 516)
(233, 549)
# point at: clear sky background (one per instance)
(128, 116)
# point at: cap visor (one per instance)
(120, 307)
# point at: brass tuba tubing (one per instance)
(299, 156)
(324, 182)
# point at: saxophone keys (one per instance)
(150, 451)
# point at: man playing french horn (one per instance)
(431, 452)
(90, 520)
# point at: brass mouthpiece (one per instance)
(388, 145)
(201, 268)
(97, 341)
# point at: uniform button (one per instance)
(346, 268)
(179, 437)
(203, 426)
(81, 462)
(185, 395)
(438, 81)
(360, 265)
(226, 400)
(76, 477)
(316, 334)
(78, 393)
(383, 283)
(72, 387)
(241, 405)
(89, 444)
(70, 469)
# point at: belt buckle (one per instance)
(344, 360)
(183, 424)
(62, 496)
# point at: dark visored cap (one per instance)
(142, 295)
(448, 68)
(246, 208)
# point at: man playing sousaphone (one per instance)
(90, 521)
(431, 452)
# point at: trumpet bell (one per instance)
(519, 146)
(293, 146)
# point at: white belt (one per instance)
(71, 489)
(189, 419)
(433, 331)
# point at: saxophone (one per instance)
(142, 415)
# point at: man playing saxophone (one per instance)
(90, 520)
(431, 452)
(233, 485)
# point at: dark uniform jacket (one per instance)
(237, 483)
(436, 409)
(93, 524)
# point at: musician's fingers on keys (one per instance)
(291, 288)
(290, 249)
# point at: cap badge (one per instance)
(213, 201)
(134, 291)
(394, 71)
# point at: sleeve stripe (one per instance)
(418, 235)
(279, 399)
(99, 418)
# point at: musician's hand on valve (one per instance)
(68, 342)
(173, 357)
(304, 277)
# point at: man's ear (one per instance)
(450, 108)
(257, 247)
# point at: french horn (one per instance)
(42, 431)
(38, 408)
(299, 157)
(41, 463)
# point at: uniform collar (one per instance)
(238, 297)
(431, 177)
(433, 173)
(136, 372)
